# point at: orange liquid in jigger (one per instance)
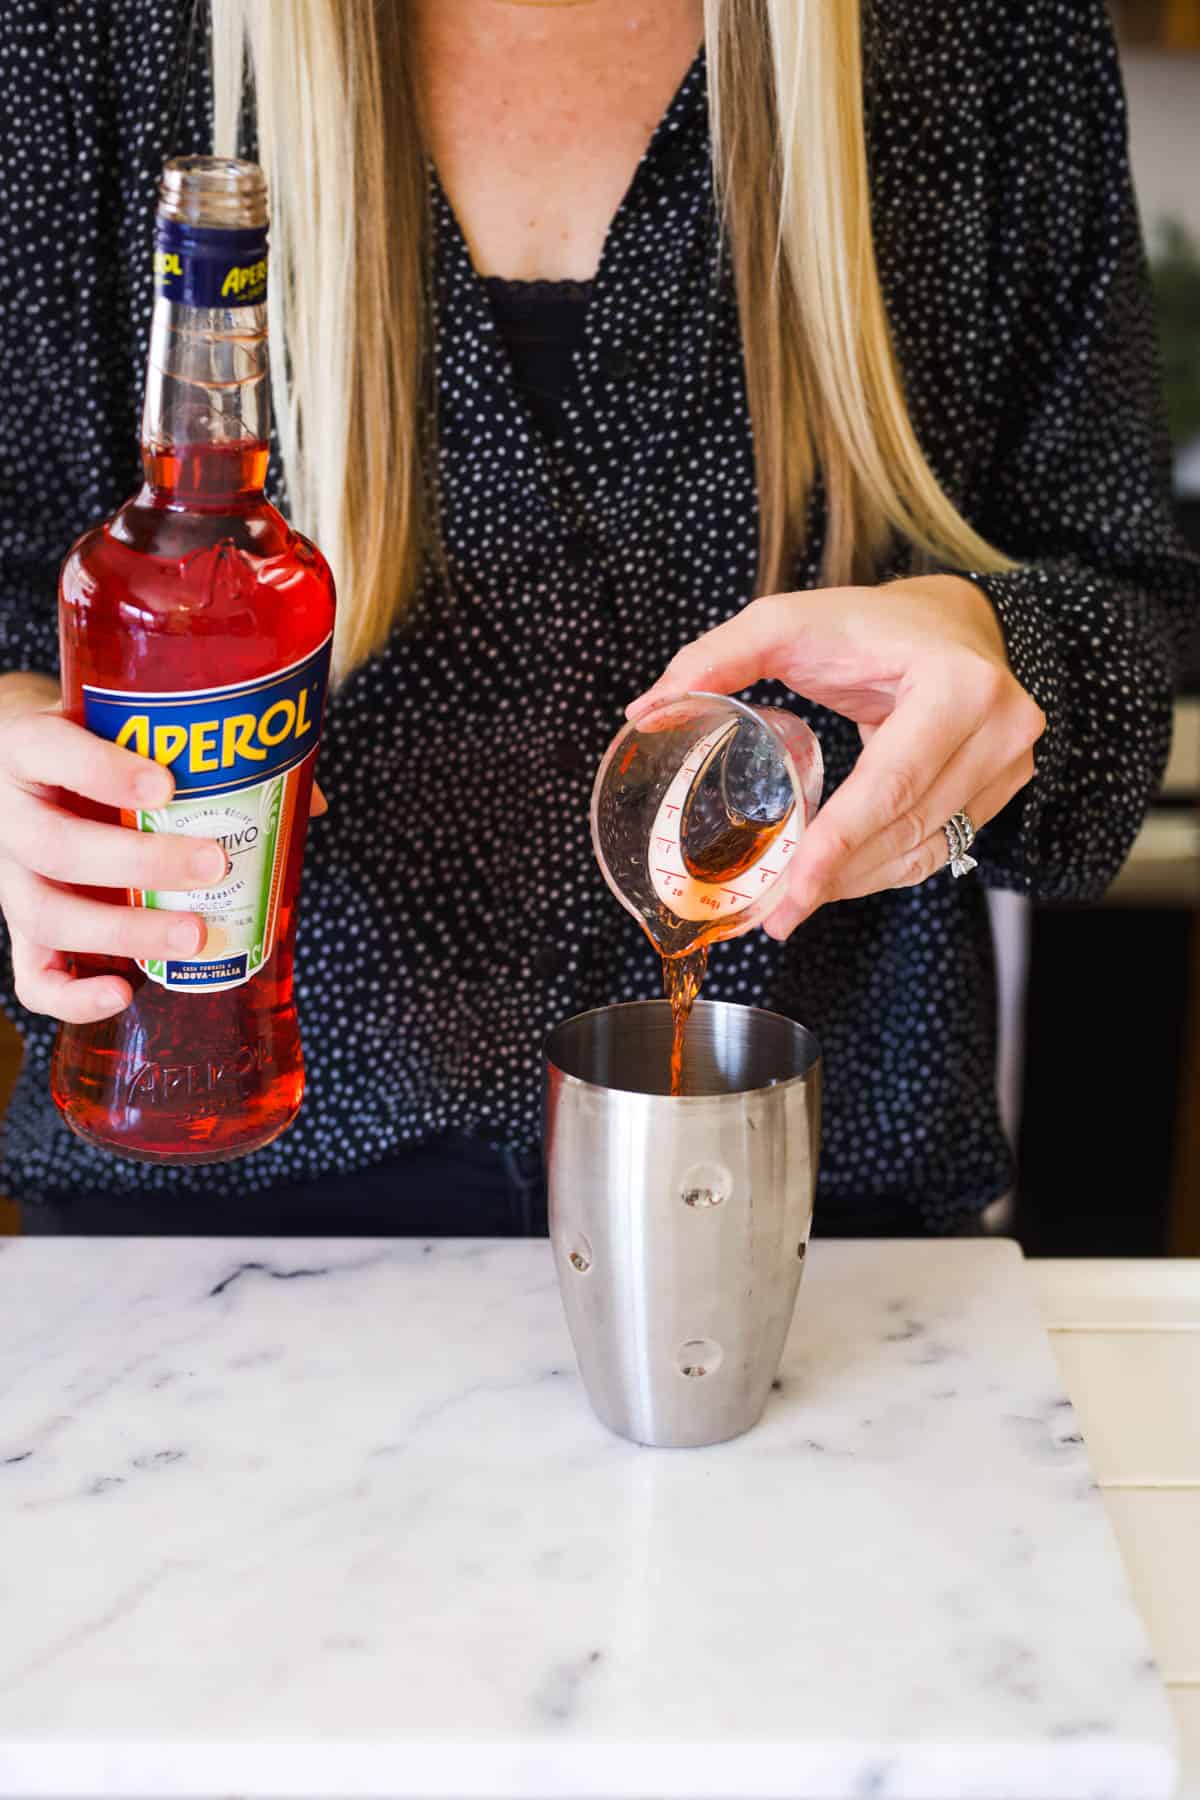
(735, 848)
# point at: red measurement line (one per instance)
(735, 893)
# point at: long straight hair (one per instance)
(339, 131)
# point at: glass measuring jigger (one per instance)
(697, 811)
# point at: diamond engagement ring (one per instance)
(960, 835)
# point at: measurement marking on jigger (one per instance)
(688, 895)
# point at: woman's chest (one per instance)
(537, 124)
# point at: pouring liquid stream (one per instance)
(682, 979)
(717, 852)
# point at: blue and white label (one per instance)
(217, 740)
(236, 753)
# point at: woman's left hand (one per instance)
(920, 667)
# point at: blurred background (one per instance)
(1099, 1066)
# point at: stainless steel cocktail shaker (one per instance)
(680, 1225)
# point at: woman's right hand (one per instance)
(47, 852)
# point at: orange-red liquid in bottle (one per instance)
(195, 629)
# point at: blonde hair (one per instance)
(339, 133)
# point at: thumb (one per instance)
(733, 655)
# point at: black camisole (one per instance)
(541, 326)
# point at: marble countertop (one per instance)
(1127, 1338)
(334, 1519)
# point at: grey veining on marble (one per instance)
(334, 1518)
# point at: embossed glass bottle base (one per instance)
(242, 1148)
(138, 1087)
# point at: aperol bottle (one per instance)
(196, 629)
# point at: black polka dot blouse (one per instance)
(452, 910)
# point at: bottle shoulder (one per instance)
(164, 590)
(145, 540)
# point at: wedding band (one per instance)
(960, 835)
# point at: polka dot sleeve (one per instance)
(1078, 486)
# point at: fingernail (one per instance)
(184, 937)
(658, 703)
(788, 914)
(154, 788)
(209, 864)
(782, 922)
(649, 701)
(109, 999)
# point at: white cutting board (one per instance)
(333, 1518)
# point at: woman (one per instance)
(900, 383)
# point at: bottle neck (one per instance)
(206, 420)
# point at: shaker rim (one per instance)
(812, 1041)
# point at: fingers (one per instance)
(911, 747)
(732, 656)
(933, 852)
(58, 844)
(910, 867)
(44, 845)
(969, 772)
(954, 731)
(47, 921)
(44, 749)
(44, 984)
(942, 720)
(55, 918)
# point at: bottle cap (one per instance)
(213, 190)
